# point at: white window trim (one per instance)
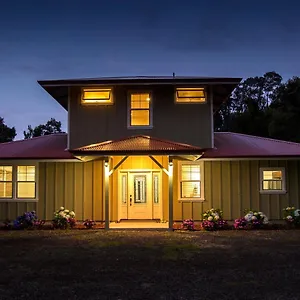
(111, 102)
(262, 191)
(15, 165)
(192, 87)
(129, 126)
(202, 194)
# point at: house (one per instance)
(143, 148)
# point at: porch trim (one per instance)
(159, 164)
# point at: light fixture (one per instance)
(106, 164)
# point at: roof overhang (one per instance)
(222, 87)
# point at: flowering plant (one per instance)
(253, 219)
(213, 220)
(89, 223)
(292, 215)
(27, 220)
(188, 224)
(64, 218)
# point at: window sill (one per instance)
(139, 127)
(18, 200)
(272, 192)
(192, 200)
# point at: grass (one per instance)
(92, 264)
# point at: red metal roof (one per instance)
(227, 145)
(236, 145)
(138, 144)
(44, 147)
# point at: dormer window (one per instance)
(96, 96)
(190, 95)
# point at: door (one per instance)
(139, 195)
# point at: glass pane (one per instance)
(190, 95)
(155, 189)
(139, 189)
(140, 118)
(96, 94)
(272, 185)
(273, 174)
(140, 100)
(26, 173)
(5, 173)
(190, 172)
(124, 188)
(190, 189)
(26, 190)
(5, 189)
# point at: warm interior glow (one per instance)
(190, 95)
(26, 182)
(140, 109)
(5, 181)
(272, 180)
(190, 181)
(96, 95)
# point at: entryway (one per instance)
(139, 195)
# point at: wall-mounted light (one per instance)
(106, 164)
(170, 163)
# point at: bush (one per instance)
(292, 216)
(89, 223)
(64, 219)
(188, 224)
(252, 220)
(27, 220)
(213, 220)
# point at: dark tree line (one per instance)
(263, 106)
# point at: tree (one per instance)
(7, 134)
(52, 126)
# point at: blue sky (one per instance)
(75, 38)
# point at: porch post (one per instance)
(106, 192)
(170, 194)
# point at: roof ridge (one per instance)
(34, 138)
(259, 137)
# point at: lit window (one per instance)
(272, 180)
(191, 181)
(139, 109)
(96, 96)
(26, 182)
(6, 190)
(190, 95)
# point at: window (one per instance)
(191, 181)
(190, 95)
(18, 182)
(96, 96)
(6, 182)
(139, 109)
(272, 180)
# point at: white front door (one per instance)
(140, 195)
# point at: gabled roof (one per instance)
(227, 145)
(223, 86)
(44, 147)
(140, 144)
(237, 145)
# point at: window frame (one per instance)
(262, 191)
(100, 103)
(129, 109)
(202, 180)
(190, 88)
(8, 181)
(15, 181)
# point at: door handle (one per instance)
(130, 199)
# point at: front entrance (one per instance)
(139, 195)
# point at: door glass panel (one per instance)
(139, 189)
(124, 189)
(155, 189)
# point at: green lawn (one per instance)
(92, 264)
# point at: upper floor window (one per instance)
(190, 95)
(140, 110)
(272, 180)
(96, 96)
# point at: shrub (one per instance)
(188, 224)
(89, 223)
(27, 220)
(252, 220)
(240, 223)
(64, 218)
(213, 220)
(292, 216)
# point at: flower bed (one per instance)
(292, 216)
(213, 220)
(64, 219)
(252, 220)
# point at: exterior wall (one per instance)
(90, 124)
(234, 186)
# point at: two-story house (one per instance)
(143, 148)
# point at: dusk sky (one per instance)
(57, 39)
